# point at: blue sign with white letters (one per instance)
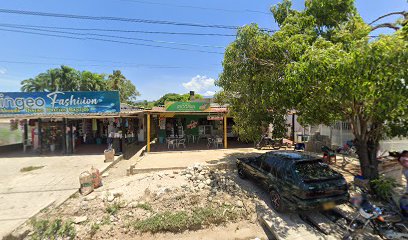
(59, 103)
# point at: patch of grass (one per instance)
(182, 220)
(106, 220)
(30, 168)
(112, 209)
(94, 228)
(145, 206)
(52, 229)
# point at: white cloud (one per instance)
(209, 93)
(199, 83)
(3, 70)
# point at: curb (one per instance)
(19, 235)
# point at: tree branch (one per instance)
(385, 25)
(403, 13)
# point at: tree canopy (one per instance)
(323, 64)
(175, 97)
(69, 79)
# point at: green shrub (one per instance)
(52, 229)
(181, 220)
(112, 209)
(145, 206)
(383, 187)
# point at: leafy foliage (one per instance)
(182, 220)
(68, 79)
(323, 64)
(384, 187)
(175, 97)
(117, 81)
(52, 229)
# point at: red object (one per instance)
(96, 177)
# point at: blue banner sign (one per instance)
(58, 103)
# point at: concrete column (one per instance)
(225, 132)
(40, 140)
(64, 132)
(148, 132)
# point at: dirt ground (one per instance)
(141, 205)
(143, 196)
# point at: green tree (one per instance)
(323, 64)
(68, 79)
(175, 97)
(127, 90)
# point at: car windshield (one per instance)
(311, 171)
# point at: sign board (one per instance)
(187, 106)
(215, 118)
(54, 103)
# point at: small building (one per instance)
(74, 122)
(193, 121)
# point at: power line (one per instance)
(99, 65)
(112, 36)
(198, 7)
(107, 40)
(122, 30)
(121, 19)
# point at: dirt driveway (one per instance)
(23, 194)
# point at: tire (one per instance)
(241, 173)
(276, 201)
(277, 145)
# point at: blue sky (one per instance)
(154, 71)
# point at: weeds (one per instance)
(94, 228)
(145, 206)
(30, 168)
(383, 187)
(182, 220)
(52, 229)
(113, 208)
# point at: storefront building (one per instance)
(71, 122)
(192, 121)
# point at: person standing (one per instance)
(403, 160)
(175, 129)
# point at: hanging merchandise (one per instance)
(126, 123)
(94, 125)
(119, 123)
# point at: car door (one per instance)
(287, 181)
(265, 177)
(254, 166)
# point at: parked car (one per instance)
(296, 180)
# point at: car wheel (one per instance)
(241, 173)
(276, 201)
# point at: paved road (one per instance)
(22, 195)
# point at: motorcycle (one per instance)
(267, 142)
(388, 225)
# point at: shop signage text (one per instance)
(215, 118)
(187, 106)
(59, 102)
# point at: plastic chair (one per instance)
(181, 142)
(218, 141)
(171, 143)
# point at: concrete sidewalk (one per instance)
(181, 159)
(24, 194)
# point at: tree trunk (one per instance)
(367, 154)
